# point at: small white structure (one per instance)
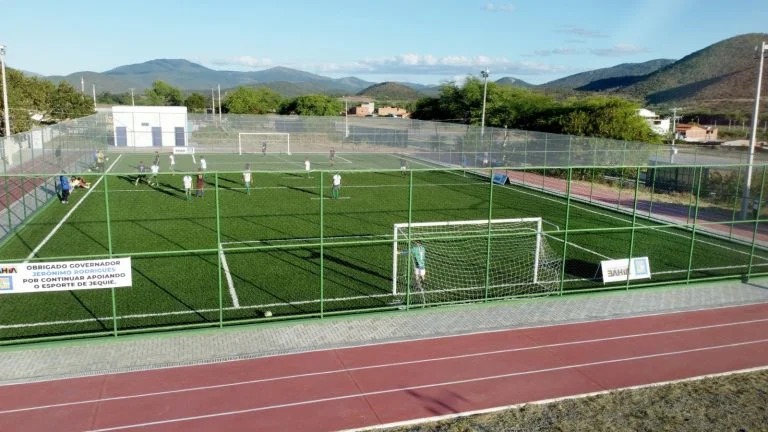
(658, 125)
(149, 126)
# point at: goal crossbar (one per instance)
(520, 233)
(252, 142)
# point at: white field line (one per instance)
(313, 239)
(521, 189)
(228, 276)
(344, 159)
(303, 302)
(256, 306)
(66, 216)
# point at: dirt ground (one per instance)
(737, 402)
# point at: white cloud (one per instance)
(618, 50)
(499, 7)
(408, 64)
(558, 51)
(582, 32)
(244, 61)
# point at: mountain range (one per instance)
(721, 74)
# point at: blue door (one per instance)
(157, 136)
(121, 136)
(179, 134)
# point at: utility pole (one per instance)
(133, 103)
(219, 87)
(346, 118)
(213, 106)
(674, 126)
(753, 136)
(6, 116)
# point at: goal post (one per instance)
(185, 150)
(266, 142)
(475, 259)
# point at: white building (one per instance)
(149, 126)
(658, 125)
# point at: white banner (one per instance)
(625, 269)
(65, 275)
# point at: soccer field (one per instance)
(287, 248)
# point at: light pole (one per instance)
(485, 75)
(673, 149)
(346, 118)
(753, 138)
(6, 117)
(674, 126)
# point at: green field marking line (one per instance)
(228, 277)
(583, 207)
(191, 312)
(290, 241)
(673, 232)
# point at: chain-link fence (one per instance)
(282, 245)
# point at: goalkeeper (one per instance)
(419, 255)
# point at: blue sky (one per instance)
(423, 41)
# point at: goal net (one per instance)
(474, 260)
(263, 142)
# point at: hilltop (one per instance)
(722, 72)
(719, 77)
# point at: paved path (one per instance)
(126, 353)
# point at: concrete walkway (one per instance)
(128, 353)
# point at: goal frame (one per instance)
(285, 134)
(407, 226)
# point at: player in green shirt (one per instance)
(419, 255)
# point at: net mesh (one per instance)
(461, 264)
(258, 142)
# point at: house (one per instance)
(362, 110)
(658, 125)
(695, 133)
(389, 111)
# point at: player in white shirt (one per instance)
(172, 161)
(307, 166)
(187, 186)
(155, 169)
(203, 165)
(336, 186)
(247, 178)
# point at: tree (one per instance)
(196, 103)
(163, 94)
(250, 100)
(606, 117)
(68, 103)
(518, 108)
(114, 98)
(313, 105)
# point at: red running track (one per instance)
(379, 384)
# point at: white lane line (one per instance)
(424, 386)
(421, 361)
